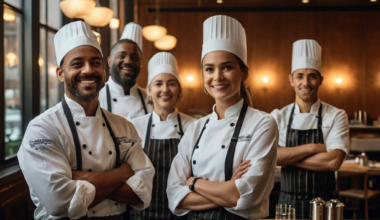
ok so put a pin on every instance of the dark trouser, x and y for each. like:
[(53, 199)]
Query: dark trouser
[(301, 202), (214, 214), (114, 217)]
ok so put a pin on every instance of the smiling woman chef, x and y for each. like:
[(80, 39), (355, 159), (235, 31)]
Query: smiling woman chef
[(225, 163), (161, 130)]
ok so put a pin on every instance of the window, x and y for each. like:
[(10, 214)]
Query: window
[(50, 93), (13, 67)]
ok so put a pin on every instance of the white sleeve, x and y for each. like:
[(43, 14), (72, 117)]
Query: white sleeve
[(337, 139), (48, 173), (180, 171), (142, 181), (255, 185)]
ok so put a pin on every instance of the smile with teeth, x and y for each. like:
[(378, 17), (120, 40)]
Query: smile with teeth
[(87, 81), (219, 86)]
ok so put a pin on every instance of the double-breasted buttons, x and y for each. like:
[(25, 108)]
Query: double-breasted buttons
[(90, 153), (196, 147), (153, 125), (175, 126), (93, 212), (104, 125), (110, 152), (116, 203), (223, 146), (115, 100), (194, 162), (84, 146), (77, 123), (232, 124)]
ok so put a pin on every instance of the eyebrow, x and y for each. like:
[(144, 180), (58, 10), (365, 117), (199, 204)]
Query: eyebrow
[(224, 63), (160, 80)]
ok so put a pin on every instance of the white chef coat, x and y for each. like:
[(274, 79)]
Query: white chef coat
[(47, 157), (257, 142), (162, 129), (334, 124), (128, 106)]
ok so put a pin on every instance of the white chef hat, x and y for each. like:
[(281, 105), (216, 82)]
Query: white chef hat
[(306, 54), (162, 62), (73, 35), (224, 33), (132, 31)]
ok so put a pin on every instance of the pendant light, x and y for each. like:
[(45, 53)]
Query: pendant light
[(77, 8), (154, 32), (167, 42), (100, 16)]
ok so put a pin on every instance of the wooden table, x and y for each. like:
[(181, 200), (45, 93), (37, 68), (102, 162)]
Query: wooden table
[(357, 168)]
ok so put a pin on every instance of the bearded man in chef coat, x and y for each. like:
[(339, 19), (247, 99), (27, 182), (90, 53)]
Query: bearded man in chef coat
[(313, 135), (79, 160), (122, 95)]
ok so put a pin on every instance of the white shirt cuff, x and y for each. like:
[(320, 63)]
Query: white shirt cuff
[(83, 197), (180, 194), (141, 189), (338, 146)]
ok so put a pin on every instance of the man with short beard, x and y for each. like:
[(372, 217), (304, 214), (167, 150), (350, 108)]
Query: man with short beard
[(122, 95), (79, 160), (313, 135)]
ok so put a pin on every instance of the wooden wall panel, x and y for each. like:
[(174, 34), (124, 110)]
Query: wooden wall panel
[(350, 49)]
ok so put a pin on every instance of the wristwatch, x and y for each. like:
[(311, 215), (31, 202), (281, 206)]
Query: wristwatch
[(191, 186)]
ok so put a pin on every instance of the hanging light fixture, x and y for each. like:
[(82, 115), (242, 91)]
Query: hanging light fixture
[(219, 1), (77, 8), (305, 1), (100, 16), (154, 32), (114, 24), (167, 42)]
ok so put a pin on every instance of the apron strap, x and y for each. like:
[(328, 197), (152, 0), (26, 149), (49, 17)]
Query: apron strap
[(180, 132), (142, 101), (289, 126), (147, 136), (115, 142), (228, 165), (74, 132), (109, 106)]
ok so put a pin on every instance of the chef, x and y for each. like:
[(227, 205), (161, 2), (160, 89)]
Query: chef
[(79, 160), (313, 135), (122, 95), (161, 130), (225, 164)]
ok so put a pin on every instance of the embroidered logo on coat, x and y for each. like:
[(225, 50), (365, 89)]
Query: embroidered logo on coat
[(39, 141), (246, 137), (123, 139)]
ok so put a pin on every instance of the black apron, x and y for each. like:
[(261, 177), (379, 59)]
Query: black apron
[(109, 106), (221, 213), (299, 186), (161, 152), (78, 151)]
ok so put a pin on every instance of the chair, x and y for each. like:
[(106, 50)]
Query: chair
[(358, 191)]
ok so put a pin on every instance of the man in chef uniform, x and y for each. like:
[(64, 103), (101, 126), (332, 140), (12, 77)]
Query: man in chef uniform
[(79, 160), (313, 138), (122, 95)]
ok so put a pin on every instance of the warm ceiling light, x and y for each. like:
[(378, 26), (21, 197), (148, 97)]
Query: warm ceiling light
[(305, 1), (114, 24), (40, 61), (11, 59), (373, 0), (339, 80), (265, 79), (100, 16), (9, 15), (167, 42), (154, 32), (219, 1), (77, 8), (190, 78), (97, 36)]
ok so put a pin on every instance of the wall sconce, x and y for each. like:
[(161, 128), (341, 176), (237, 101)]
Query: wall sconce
[(114, 24), (11, 59), (265, 80), (40, 61), (9, 15), (167, 42), (97, 36), (339, 80), (190, 78)]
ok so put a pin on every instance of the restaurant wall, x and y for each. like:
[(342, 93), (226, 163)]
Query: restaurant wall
[(350, 44)]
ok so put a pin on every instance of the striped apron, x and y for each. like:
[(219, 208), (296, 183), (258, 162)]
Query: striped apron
[(161, 152), (114, 217), (220, 212), (299, 186)]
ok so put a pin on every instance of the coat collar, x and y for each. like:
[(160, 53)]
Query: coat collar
[(314, 108), (172, 117), (231, 112), (77, 110), (118, 90)]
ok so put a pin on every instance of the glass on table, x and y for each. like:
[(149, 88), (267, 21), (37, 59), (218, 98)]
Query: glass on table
[(284, 211)]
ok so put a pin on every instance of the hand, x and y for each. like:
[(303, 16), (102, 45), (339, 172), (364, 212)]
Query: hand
[(242, 169), (126, 170), (188, 181), (319, 148)]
